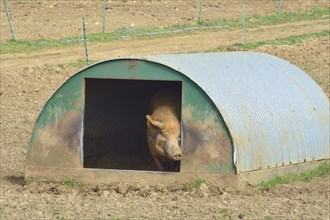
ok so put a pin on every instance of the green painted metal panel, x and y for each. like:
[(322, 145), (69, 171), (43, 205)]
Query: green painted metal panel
[(57, 137)]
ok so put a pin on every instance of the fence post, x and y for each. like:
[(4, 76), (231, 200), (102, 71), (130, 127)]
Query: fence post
[(10, 24), (279, 6), (244, 23), (200, 11), (104, 12), (84, 29)]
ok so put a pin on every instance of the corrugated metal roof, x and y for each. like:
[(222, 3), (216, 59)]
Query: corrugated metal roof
[(276, 113)]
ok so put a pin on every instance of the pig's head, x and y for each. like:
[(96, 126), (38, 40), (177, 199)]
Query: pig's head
[(167, 137)]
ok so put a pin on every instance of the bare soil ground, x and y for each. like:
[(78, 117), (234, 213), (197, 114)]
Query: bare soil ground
[(38, 19), (29, 79)]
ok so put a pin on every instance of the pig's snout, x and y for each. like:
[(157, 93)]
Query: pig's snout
[(174, 153), (177, 156)]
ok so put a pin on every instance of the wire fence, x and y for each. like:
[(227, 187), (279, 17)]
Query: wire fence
[(37, 19)]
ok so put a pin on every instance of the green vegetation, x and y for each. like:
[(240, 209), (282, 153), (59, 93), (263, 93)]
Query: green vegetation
[(68, 181), (58, 215), (193, 184), (81, 63), (286, 41), (29, 180), (285, 17), (18, 46), (320, 171), (295, 39), (12, 46), (226, 214)]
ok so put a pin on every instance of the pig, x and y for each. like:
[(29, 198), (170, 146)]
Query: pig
[(163, 130)]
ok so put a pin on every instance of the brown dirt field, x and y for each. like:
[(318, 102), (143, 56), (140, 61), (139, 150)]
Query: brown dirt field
[(29, 79), (38, 19)]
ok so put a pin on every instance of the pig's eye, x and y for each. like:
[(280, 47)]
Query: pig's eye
[(162, 139)]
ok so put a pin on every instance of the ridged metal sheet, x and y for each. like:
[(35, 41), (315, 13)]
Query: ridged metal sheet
[(276, 114)]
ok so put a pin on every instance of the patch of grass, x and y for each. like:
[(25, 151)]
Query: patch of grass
[(81, 63), (322, 170), (312, 14), (285, 41), (30, 180), (193, 184), (58, 215), (285, 17), (68, 181), (34, 206), (61, 66), (292, 40), (18, 46), (226, 214)]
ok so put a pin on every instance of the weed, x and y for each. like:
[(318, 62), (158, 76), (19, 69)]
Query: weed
[(34, 206), (61, 66), (57, 214), (81, 63), (225, 214), (68, 181), (71, 182), (29, 180), (320, 171), (193, 184)]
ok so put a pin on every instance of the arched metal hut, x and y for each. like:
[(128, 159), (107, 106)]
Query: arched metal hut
[(245, 117)]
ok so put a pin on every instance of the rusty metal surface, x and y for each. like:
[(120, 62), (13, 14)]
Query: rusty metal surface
[(58, 144), (276, 114)]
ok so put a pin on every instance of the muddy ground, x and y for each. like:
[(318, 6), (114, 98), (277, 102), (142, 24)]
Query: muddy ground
[(29, 79)]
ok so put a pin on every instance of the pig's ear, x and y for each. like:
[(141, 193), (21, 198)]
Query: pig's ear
[(153, 122)]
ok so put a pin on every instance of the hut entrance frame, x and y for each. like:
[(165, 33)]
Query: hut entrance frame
[(114, 122)]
